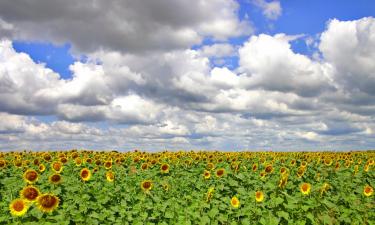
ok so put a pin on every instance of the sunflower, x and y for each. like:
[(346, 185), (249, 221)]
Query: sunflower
[(108, 164), (42, 168), (47, 202), (144, 166), (165, 186), (255, 167), (268, 169), (2, 163), (63, 160), (55, 178), (210, 194), (30, 176), (328, 161), (18, 163), (110, 176), (210, 166), (57, 167), (259, 196), (78, 161), (235, 202), (85, 174), (29, 193), (206, 174), (305, 188), (283, 170), (368, 191), (164, 168), (220, 172), (146, 185), (18, 207)]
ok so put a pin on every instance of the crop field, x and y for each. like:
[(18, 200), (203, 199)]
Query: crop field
[(187, 187)]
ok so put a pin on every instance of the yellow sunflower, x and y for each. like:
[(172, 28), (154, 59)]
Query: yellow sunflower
[(368, 191), (29, 193), (18, 207), (146, 185), (41, 168), (108, 164), (206, 174), (85, 174), (259, 196), (305, 188), (30, 176), (164, 168), (235, 202), (47, 202), (57, 167), (55, 178), (110, 176), (210, 194), (220, 172)]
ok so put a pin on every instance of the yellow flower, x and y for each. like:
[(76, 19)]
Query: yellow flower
[(368, 191), (210, 193), (164, 168), (85, 174), (220, 172), (235, 202), (30, 176), (146, 185), (305, 188), (110, 176), (206, 174), (29, 193), (55, 178), (18, 207), (42, 168), (259, 196), (47, 202), (57, 167)]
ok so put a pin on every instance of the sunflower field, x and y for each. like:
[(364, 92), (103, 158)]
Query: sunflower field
[(187, 187)]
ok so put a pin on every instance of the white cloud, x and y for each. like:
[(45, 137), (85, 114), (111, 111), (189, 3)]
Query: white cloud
[(272, 9)]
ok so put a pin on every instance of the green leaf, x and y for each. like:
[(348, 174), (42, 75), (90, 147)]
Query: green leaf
[(283, 214)]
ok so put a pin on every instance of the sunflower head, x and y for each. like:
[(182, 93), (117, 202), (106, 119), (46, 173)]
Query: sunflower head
[(55, 178), (164, 168), (259, 196), (2, 163), (41, 167), (268, 169), (30, 176), (255, 167), (57, 167), (144, 166), (18, 207), (47, 202), (305, 188), (235, 202), (146, 185), (220, 172), (110, 176), (78, 161), (206, 174), (85, 174), (29, 193), (368, 190), (108, 164)]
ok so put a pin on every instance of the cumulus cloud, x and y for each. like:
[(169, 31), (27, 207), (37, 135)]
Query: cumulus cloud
[(174, 98), (127, 26)]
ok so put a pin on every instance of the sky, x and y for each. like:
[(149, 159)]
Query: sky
[(208, 74)]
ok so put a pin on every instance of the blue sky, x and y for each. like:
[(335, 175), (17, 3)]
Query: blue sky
[(251, 74)]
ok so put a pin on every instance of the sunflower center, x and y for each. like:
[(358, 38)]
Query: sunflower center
[(48, 201), (85, 174), (18, 206), (55, 178), (57, 166), (31, 193), (305, 187), (220, 172), (258, 195), (147, 185), (368, 190), (164, 167), (31, 175)]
